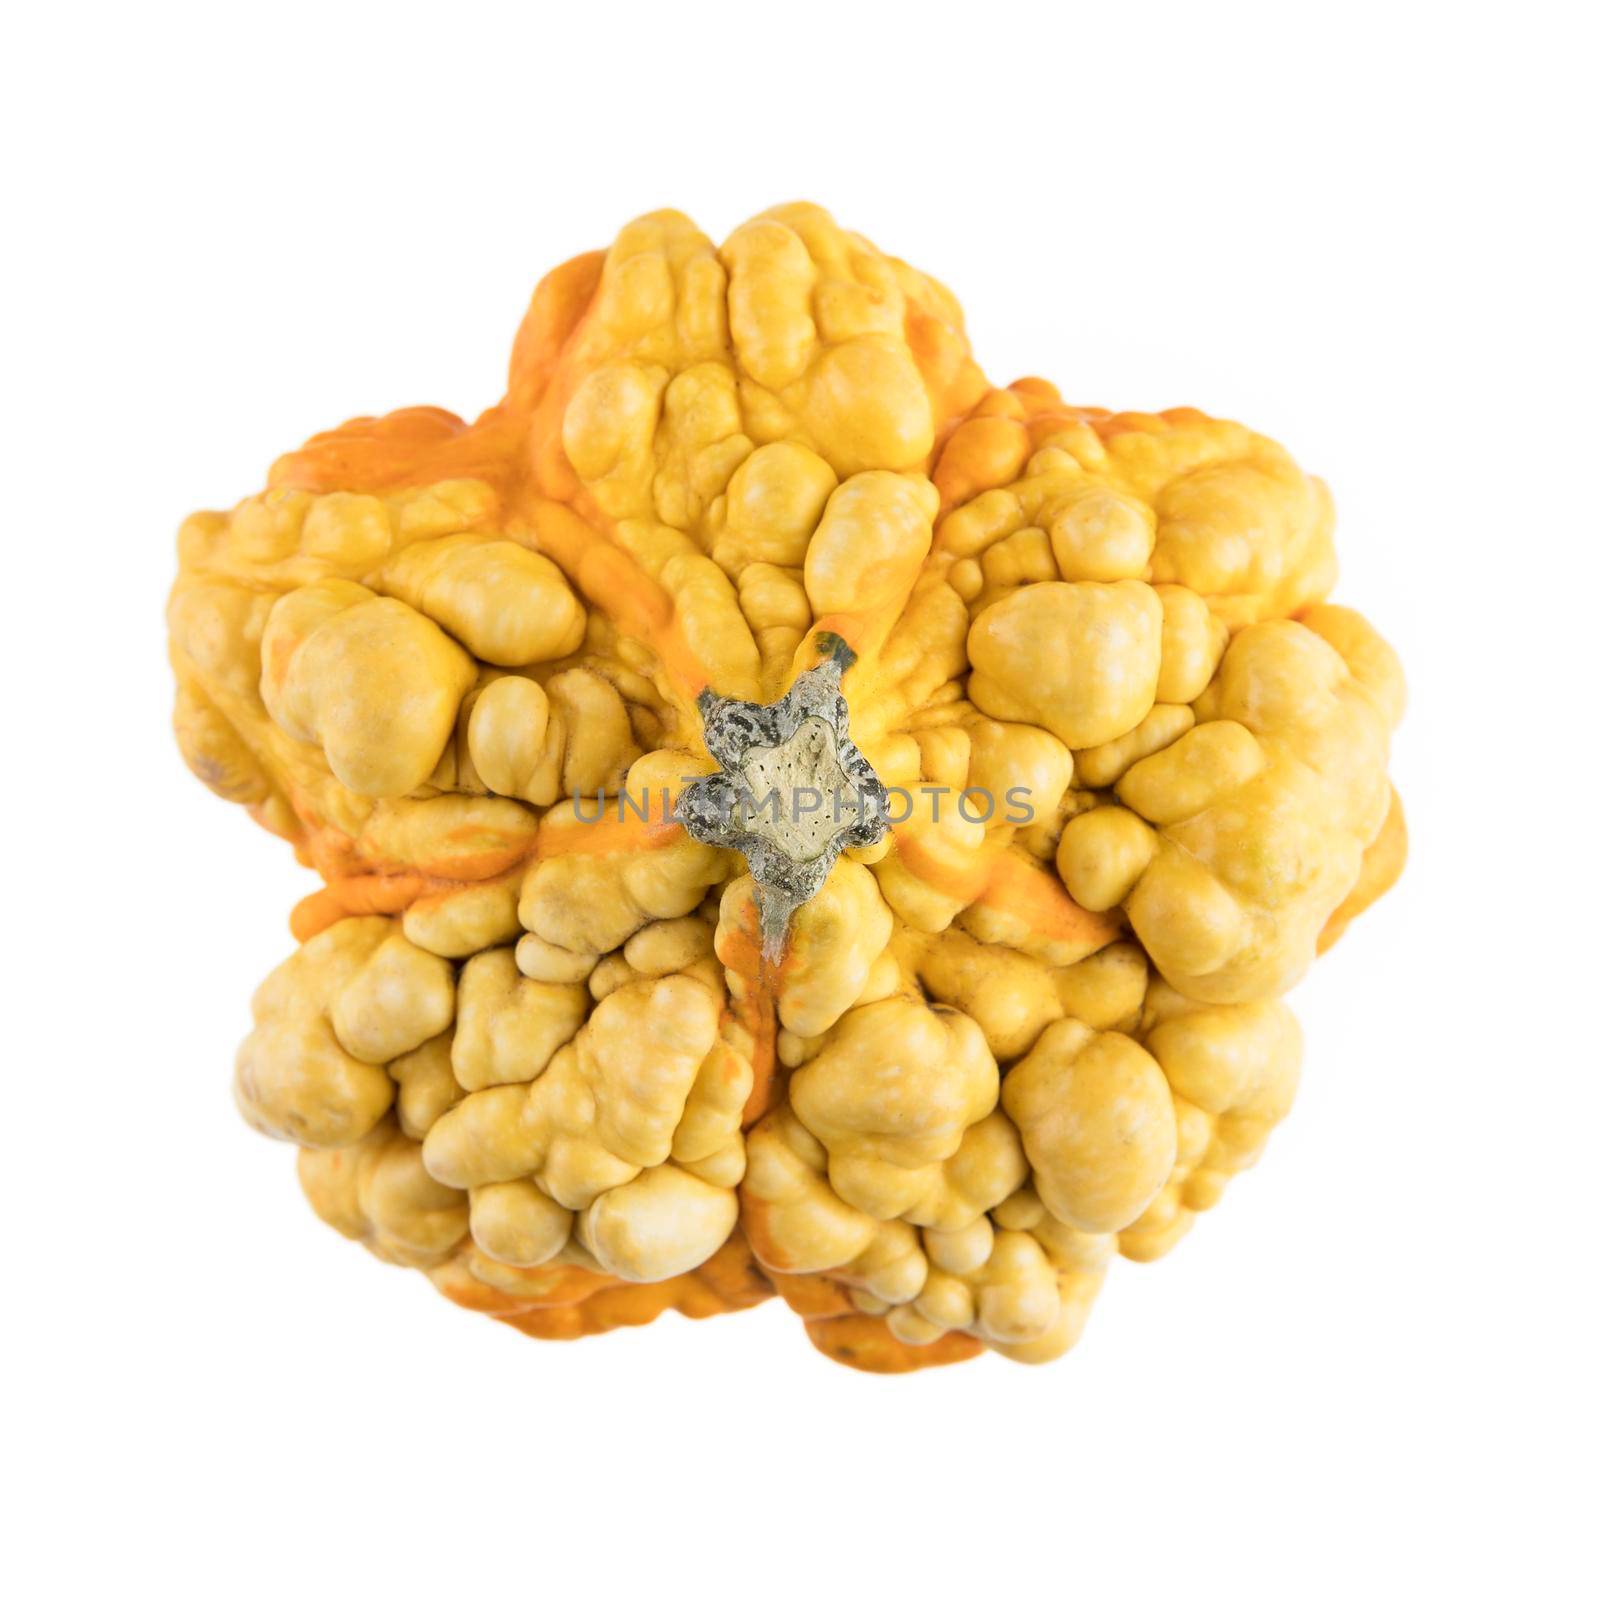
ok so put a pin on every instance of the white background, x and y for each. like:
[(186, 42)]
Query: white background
[(1368, 234)]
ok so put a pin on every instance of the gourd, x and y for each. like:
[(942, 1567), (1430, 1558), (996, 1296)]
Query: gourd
[(750, 516)]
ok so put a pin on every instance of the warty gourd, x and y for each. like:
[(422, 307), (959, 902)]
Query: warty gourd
[(748, 516)]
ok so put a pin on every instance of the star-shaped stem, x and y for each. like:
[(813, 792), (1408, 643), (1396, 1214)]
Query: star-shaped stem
[(793, 790)]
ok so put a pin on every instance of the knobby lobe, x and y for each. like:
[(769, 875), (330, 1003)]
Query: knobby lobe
[(748, 518)]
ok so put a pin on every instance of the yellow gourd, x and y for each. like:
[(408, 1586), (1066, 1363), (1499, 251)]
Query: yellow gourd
[(750, 516)]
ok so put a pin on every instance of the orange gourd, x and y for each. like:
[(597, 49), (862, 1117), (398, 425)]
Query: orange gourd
[(750, 516)]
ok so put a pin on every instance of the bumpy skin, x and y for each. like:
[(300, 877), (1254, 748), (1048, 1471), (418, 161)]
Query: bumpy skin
[(545, 1061)]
